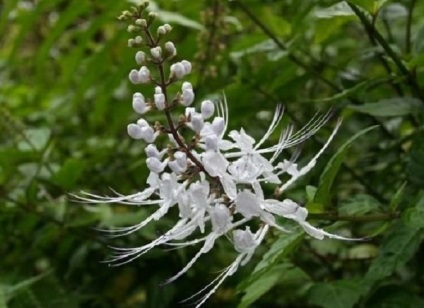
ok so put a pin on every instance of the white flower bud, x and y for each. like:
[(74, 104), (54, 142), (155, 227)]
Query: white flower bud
[(144, 74), (142, 122), (186, 85), (161, 30), (131, 43), (155, 165), (197, 122), (141, 22), (139, 104), (138, 39), (175, 167), (158, 90), (134, 77), (148, 134), (211, 143), (156, 53), (178, 70), (152, 151), (140, 57), (187, 66), (170, 48), (188, 97), (134, 131), (218, 125), (159, 101), (132, 29), (167, 27), (181, 158), (207, 109)]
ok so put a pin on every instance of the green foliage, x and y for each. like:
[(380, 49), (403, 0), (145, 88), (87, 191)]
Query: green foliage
[(65, 104)]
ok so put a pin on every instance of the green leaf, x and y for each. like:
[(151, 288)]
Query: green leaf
[(69, 174), (414, 217), (175, 18), (394, 203), (415, 166), (277, 24), (399, 245), (338, 9), (34, 139), (337, 294), (391, 107), (327, 178), (279, 250)]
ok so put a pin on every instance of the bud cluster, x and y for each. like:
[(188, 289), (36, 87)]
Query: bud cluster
[(214, 179)]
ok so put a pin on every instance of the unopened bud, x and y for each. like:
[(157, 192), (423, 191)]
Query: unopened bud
[(134, 77), (159, 101), (187, 97), (187, 66), (138, 40), (156, 53), (131, 43), (207, 109), (161, 31), (186, 85), (141, 22), (134, 131), (155, 165), (144, 74), (139, 105), (152, 151), (140, 57), (167, 27), (218, 125), (197, 122), (170, 48), (132, 29), (178, 70)]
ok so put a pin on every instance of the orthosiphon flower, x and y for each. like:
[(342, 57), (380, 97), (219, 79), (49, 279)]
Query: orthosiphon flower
[(215, 180)]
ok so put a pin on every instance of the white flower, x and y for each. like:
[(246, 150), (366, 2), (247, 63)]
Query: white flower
[(178, 70), (144, 74)]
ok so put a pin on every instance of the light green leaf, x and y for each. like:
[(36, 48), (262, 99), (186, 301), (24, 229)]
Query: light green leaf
[(327, 178), (337, 294), (277, 24), (69, 174), (391, 107), (174, 18), (338, 9)]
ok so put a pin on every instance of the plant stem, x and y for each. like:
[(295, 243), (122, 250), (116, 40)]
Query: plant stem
[(408, 26), (389, 51), (361, 218)]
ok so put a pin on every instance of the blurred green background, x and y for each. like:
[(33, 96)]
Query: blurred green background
[(65, 101)]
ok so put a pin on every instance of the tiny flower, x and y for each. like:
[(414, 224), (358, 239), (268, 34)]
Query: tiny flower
[(155, 165), (132, 29), (140, 57), (207, 108), (186, 85), (144, 74), (187, 97), (131, 43), (142, 122), (197, 122)]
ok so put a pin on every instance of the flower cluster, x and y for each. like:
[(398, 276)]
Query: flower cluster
[(214, 179)]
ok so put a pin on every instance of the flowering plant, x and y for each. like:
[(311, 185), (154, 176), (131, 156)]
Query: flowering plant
[(214, 178)]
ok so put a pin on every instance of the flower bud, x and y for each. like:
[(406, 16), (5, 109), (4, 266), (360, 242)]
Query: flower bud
[(156, 53), (218, 126), (161, 31), (138, 40), (151, 17), (187, 97), (187, 66), (186, 85), (159, 101), (132, 29), (152, 151), (197, 122), (155, 165), (170, 48), (141, 23), (178, 70), (148, 134), (140, 57), (139, 104), (134, 131), (142, 122), (181, 158), (134, 77), (131, 43), (144, 74), (175, 167), (211, 143), (207, 109), (167, 27)]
